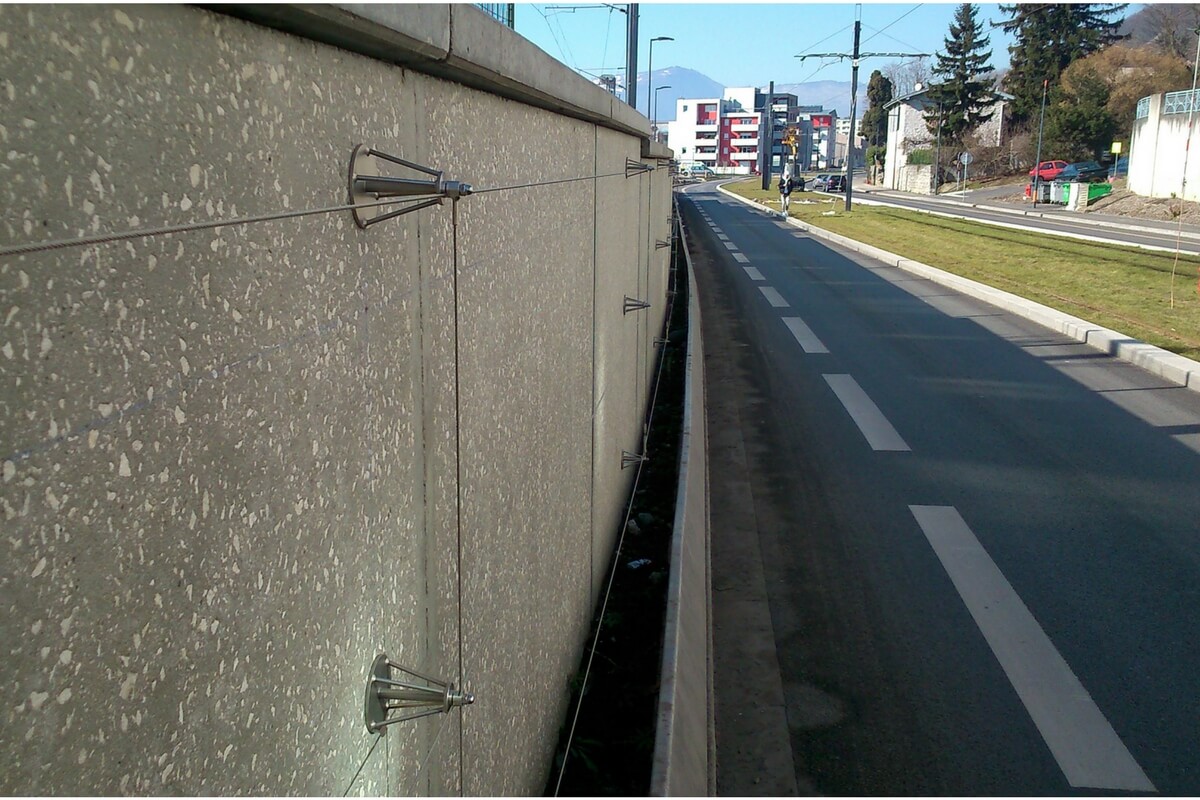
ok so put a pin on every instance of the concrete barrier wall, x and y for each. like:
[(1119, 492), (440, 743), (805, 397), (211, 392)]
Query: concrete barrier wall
[(684, 763), (240, 462)]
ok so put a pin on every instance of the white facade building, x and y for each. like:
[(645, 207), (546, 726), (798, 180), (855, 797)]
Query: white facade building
[(907, 131)]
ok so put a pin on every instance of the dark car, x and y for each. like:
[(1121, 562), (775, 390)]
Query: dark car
[(1119, 168), (836, 183), (1082, 172)]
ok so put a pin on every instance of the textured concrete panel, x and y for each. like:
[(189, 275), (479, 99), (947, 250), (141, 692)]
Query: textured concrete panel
[(616, 423), (239, 462), (212, 522)]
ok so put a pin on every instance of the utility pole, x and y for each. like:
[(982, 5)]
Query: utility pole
[(1037, 165), (631, 42), (855, 57), (767, 137), (853, 103), (937, 157)]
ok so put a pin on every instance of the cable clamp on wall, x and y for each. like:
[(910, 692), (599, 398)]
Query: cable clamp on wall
[(633, 167), (367, 185), (398, 694), (659, 244), (633, 304), (629, 459)]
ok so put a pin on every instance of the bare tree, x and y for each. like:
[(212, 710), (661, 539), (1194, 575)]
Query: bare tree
[(905, 75)]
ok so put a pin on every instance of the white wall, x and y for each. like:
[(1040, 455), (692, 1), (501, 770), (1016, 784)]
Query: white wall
[(1156, 155)]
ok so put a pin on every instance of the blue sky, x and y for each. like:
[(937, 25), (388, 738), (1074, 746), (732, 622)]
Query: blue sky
[(741, 44)]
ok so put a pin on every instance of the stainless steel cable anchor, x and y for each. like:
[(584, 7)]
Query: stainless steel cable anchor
[(367, 185), (387, 693)]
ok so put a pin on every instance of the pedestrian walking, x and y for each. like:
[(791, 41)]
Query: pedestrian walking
[(785, 191)]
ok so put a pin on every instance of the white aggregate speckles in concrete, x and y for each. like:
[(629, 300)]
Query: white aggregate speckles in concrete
[(229, 474)]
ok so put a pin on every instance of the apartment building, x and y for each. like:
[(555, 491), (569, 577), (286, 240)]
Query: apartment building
[(723, 133)]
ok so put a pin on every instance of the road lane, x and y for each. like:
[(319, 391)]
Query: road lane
[(1088, 510)]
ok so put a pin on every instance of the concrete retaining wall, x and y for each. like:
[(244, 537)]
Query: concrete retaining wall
[(240, 462), (1156, 154)]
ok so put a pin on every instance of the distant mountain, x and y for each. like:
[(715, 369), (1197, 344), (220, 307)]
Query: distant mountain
[(1169, 26), (683, 82)]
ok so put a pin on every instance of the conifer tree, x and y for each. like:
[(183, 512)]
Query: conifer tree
[(963, 96), (1049, 36)]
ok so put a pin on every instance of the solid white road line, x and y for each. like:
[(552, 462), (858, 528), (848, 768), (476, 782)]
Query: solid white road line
[(741, 258), (804, 335), (1083, 743), (773, 297), (754, 274), (731, 245), (866, 415)]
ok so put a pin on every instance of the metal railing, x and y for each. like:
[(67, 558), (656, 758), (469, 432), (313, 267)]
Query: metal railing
[(1143, 108), (1181, 102), (504, 13)]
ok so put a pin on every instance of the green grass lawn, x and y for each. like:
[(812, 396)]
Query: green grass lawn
[(1122, 288)]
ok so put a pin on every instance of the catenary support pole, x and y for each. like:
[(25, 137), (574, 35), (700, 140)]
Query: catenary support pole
[(853, 103), (631, 43)]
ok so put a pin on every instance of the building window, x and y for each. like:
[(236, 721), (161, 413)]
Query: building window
[(683, 149), (685, 106)]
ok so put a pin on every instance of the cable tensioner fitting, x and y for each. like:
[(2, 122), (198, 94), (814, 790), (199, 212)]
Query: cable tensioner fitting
[(367, 185)]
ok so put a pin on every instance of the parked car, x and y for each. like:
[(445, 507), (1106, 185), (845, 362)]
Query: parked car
[(820, 182), (1048, 170), (836, 183), (1119, 168), (1082, 172), (700, 171)]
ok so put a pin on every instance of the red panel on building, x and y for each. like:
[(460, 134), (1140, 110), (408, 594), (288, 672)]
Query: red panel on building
[(723, 159), (822, 120)]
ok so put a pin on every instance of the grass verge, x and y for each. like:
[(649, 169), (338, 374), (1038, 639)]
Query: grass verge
[(1122, 288)]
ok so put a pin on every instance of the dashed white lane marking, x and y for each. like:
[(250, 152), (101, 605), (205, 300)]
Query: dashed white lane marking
[(870, 420), (731, 245), (741, 258), (715, 229), (754, 274), (804, 335), (1087, 749), (722, 237), (773, 297)]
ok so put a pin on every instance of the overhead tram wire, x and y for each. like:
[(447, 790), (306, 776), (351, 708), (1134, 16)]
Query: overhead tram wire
[(893, 22)]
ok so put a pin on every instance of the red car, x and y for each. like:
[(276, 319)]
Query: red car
[(1048, 170)]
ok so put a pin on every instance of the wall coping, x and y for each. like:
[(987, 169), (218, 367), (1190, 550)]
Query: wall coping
[(458, 42)]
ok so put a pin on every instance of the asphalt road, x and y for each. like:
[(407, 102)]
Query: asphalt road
[(953, 552), (1050, 219)]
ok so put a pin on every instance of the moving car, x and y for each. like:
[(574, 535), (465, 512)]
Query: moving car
[(1048, 170), (1082, 172), (701, 171), (836, 183), (820, 182)]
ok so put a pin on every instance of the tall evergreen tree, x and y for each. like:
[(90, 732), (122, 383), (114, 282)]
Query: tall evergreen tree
[(874, 121), (961, 99), (1049, 36)]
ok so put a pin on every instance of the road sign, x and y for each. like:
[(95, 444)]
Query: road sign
[(965, 158)]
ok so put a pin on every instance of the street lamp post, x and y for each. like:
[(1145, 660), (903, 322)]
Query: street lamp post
[(650, 75), (1037, 164), (653, 126)]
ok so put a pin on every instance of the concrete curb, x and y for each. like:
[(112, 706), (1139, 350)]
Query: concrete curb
[(1167, 365), (1083, 219), (684, 748)]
